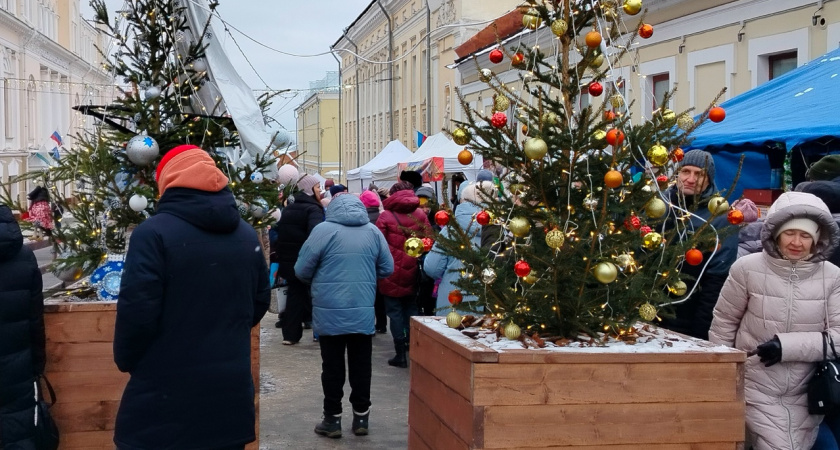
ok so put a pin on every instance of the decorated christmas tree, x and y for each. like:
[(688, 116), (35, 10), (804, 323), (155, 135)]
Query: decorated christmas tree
[(166, 97), (589, 243)]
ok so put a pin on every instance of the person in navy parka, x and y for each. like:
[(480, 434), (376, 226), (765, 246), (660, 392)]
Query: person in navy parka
[(342, 260), (194, 284)]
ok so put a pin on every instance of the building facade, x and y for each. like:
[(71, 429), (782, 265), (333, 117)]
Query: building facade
[(394, 60), (318, 134), (49, 64)]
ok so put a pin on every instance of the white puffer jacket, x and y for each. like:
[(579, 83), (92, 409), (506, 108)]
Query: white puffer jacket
[(767, 295)]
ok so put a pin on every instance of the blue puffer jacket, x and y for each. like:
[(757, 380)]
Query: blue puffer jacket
[(441, 265), (342, 259)]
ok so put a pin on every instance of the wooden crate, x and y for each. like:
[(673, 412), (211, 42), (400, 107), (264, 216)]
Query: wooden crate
[(88, 385), (465, 395)]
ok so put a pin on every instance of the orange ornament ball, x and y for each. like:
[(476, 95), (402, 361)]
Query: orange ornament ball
[(717, 114), (609, 116), (615, 137), (517, 59), (613, 179), (524, 129), (677, 155), (593, 39), (694, 257), (455, 297), (735, 217), (465, 157), (646, 31)]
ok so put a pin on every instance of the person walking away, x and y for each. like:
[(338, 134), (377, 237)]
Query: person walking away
[(40, 212), (22, 337), (194, 284), (776, 304), (342, 259), (373, 207), (401, 220), (297, 221)]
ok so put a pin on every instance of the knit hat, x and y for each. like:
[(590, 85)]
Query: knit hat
[(799, 223), (484, 175), (747, 208), (329, 183), (336, 188), (827, 191), (369, 199), (401, 186), (287, 174), (425, 191), (306, 183), (701, 159), (412, 177), (827, 168), (189, 166)]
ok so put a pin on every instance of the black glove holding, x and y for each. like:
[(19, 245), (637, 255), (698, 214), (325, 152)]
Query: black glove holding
[(770, 352)]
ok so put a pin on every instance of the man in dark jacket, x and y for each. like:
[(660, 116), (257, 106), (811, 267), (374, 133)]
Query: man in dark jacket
[(296, 222), (194, 284), (22, 341)]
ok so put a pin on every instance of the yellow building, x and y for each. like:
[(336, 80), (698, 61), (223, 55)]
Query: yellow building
[(49, 64), (318, 134), (394, 70)]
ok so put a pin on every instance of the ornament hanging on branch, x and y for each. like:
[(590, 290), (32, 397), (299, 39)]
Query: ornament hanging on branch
[(678, 288), (519, 226), (531, 19), (535, 148), (413, 247), (647, 312), (138, 202), (461, 136), (488, 276), (483, 218), (501, 103), (694, 257), (605, 272), (512, 331), (442, 218), (646, 31), (658, 155), (593, 39), (596, 89), (142, 150), (496, 56), (652, 240), (554, 239), (465, 157), (632, 7), (559, 27), (521, 268), (717, 114), (498, 120)]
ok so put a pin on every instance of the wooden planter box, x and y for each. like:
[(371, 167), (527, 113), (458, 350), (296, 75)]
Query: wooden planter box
[(88, 385), (465, 395)]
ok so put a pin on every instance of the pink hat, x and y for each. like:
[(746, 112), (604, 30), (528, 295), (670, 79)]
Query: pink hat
[(369, 198), (748, 208)]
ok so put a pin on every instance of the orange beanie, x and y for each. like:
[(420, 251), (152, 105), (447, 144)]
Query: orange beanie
[(190, 167)]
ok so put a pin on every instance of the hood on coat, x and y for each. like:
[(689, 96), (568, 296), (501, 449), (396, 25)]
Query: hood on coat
[(479, 193), (801, 205), (402, 202), (11, 239), (212, 211), (347, 210)]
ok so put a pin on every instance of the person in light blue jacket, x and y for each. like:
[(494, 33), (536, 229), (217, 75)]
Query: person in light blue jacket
[(342, 259), (440, 265)]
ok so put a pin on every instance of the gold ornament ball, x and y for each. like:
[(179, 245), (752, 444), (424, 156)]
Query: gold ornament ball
[(413, 247), (632, 7), (519, 226), (559, 27), (535, 148), (532, 19), (617, 101), (669, 116), (647, 312), (453, 319), (599, 139), (685, 122), (655, 208), (485, 75), (555, 239), (597, 61), (605, 272), (517, 189), (465, 157), (512, 331), (461, 136), (678, 288), (652, 240), (624, 260), (549, 118), (530, 278), (658, 155), (718, 205), (501, 103)]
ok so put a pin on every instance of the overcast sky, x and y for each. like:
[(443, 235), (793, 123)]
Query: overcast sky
[(297, 27)]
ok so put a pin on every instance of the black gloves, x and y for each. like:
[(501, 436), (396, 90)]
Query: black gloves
[(770, 352)]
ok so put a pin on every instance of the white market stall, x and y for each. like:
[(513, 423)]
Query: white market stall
[(435, 146), (359, 178)]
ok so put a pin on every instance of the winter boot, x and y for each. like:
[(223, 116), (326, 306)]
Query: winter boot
[(329, 427), (399, 359), (360, 422)]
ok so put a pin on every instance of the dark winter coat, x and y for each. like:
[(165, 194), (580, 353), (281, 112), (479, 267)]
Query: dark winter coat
[(373, 213), (398, 222), (296, 222), (22, 341), (342, 260), (194, 284)]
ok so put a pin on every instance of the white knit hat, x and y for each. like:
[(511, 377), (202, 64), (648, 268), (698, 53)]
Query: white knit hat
[(800, 223)]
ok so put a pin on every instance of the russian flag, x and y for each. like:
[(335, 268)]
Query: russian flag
[(56, 137), (421, 138)]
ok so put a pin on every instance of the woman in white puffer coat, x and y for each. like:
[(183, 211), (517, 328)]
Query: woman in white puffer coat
[(777, 303)]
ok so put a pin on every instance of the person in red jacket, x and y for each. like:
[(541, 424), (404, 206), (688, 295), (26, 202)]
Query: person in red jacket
[(401, 220)]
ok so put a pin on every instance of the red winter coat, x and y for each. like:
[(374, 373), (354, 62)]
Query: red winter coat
[(400, 218)]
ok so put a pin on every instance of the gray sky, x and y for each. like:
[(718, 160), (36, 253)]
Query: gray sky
[(297, 27)]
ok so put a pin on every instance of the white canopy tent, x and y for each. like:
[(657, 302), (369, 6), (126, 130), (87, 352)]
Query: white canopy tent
[(393, 153), (437, 145)]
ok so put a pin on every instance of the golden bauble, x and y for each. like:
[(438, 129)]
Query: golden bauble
[(555, 239), (613, 179), (519, 226), (453, 319), (624, 260), (559, 27), (512, 331), (501, 103), (461, 136), (685, 121), (658, 155), (597, 61), (530, 278), (517, 188), (655, 208), (532, 19), (652, 240), (605, 272), (669, 116), (535, 148), (549, 118), (718, 205), (413, 247), (647, 312), (485, 75), (599, 139), (632, 7), (678, 288), (465, 157), (617, 101)]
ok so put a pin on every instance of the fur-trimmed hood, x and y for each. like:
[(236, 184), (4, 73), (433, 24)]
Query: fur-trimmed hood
[(792, 205)]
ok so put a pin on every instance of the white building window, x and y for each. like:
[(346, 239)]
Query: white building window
[(762, 50), (780, 64), (662, 70)]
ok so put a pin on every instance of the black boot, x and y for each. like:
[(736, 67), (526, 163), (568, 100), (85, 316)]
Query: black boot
[(360, 422), (329, 427), (399, 359)]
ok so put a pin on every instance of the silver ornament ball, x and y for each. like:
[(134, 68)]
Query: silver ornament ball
[(138, 202)]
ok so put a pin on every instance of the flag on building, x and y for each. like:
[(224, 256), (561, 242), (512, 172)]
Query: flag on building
[(58, 142), (421, 138)]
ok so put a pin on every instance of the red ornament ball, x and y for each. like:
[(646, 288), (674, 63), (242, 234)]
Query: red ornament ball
[(442, 218), (455, 297), (496, 56), (499, 119), (427, 244), (482, 217), (615, 137), (735, 217), (609, 116), (596, 89), (645, 230), (521, 268), (633, 223), (517, 59), (646, 31), (717, 114), (694, 257)]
